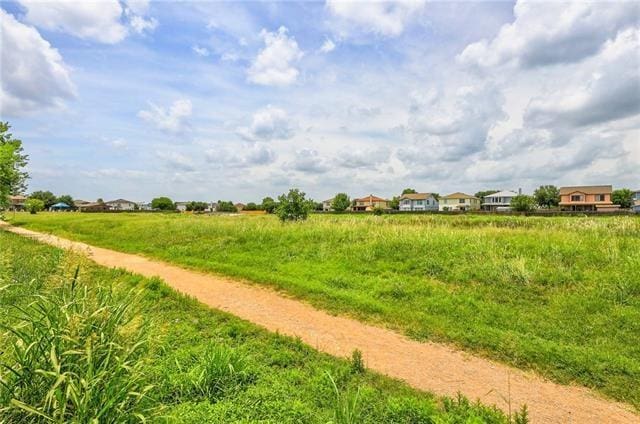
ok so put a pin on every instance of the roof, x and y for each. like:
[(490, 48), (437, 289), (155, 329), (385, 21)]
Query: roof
[(119, 201), (60, 205), (17, 197), (505, 193), (599, 189), (416, 196), (78, 202), (458, 195), (371, 198)]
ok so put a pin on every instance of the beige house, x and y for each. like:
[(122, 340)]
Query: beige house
[(459, 202), (587, 198), (370, 202), (16, 203)]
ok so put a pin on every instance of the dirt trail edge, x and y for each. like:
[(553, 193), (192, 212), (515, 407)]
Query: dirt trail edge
[(427, 366)]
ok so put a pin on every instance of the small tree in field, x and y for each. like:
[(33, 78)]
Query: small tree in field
[(523, 203), (340, 202), (547, 196), (34, 205), (269, 205), (163, 204), (293, 206)]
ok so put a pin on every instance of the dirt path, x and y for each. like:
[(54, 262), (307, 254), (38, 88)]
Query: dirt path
[(426, 366)]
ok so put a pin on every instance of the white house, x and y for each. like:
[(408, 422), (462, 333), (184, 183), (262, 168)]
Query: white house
[(182, 206), (498, 202), (418, 202), (636, 201), (142, 206), (326, 205), (121, 205)]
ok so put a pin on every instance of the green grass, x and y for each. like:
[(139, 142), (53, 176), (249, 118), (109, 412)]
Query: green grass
[(560, 295), (81, 343)]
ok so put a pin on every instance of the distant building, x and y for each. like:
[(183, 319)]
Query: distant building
[(587, 198), (121, 205), (182, 206), (240, 206), (636, 201), (16, 203), (326, 205), (459, 202), (370, 202), (144, 206), (497, 202), (92, 207), (418, 202)]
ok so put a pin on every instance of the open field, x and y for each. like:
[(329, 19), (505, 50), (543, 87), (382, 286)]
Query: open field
[(559, 295), (190, 363)]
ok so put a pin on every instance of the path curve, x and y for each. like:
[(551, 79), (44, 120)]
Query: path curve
[(427, 366)]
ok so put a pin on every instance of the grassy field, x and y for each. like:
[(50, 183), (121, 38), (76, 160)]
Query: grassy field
[(559, 295), (79, 342)]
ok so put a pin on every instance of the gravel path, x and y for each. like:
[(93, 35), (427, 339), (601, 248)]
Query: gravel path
[(432, 367)]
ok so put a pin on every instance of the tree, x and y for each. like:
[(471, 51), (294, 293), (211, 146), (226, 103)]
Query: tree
[(227, 206), (408, 191), (481, 194), (13, 179), (269, 205), (163, 204), (293, 206), (34, 205), (66, 199), (251, 207), (547, 196), (394, 203), (436, 196), (622, 197), (522, 203), (197, 206), (47, 197), (340, 202)]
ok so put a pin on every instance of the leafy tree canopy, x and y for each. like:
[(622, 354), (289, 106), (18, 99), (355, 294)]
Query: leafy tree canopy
[(340, 202), (547, 196), (481, 194), (622, 197), (47, 197), (523, 203), (251, 206), (394, 203), (163, 204), (227, 206), (293, 206), (34, 205), (408, 191), (13, 178), (66, 199), (269, 205), (197, 206)]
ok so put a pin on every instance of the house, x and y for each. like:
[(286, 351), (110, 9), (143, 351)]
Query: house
[(213, 206), (77, 203), (636, 201), (92, 207), (326, 205), (16, 203), (240, 206), (587, 198), (182, 206), (418, 202), (459, 202), (499, 202), (370, 202), (121, 205), (142, 206)]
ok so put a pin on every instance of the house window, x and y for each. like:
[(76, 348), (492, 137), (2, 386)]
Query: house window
[(419, 202), (576, 198), (599, 197), (461, 201)]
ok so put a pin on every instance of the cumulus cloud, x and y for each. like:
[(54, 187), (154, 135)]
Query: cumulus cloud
[(610, 90), (270, 123), (309, 161), (176, 161), (254, 154), (546, 33), (201, 51), (34, 75), (454, 126), (363, 158), (327, 46), (274, 65), (385, 18), (100, 21), (173, 119)]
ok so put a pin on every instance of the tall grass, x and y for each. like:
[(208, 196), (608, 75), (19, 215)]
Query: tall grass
[(74, 356)]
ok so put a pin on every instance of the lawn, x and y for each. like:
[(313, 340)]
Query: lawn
[(80, 341), (560, 295)]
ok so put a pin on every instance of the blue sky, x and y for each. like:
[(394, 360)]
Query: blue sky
[(215, 100)]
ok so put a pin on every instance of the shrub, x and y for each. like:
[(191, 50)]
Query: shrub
[(293, 206), (227, 206), (523, 203), (357, 364), (34, 205), (163, 204), (347, 407), (73, 356), (378, 211)]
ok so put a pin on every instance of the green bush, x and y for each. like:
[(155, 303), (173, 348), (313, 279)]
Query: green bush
[(34, 205), (293, 206)]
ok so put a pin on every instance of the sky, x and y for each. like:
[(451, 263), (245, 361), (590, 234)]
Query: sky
[(241, 100)]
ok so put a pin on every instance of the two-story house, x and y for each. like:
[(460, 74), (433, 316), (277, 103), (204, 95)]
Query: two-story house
[(587, 198), (418, 202), (326, 205), (636, 201), (370, 202), (17, 203), (497, 202), (121, 205), (459, 202)]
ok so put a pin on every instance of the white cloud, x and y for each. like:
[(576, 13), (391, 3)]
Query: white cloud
[(269, 123), (34, 75), (176, 161), (274, 65), (545, 33), (327, 46), (254, 154), (103, 21), (309, 161), (201, 51), (172, 119), (386, 18)]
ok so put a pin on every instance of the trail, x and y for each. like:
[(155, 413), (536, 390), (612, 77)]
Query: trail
[(427, 366)]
